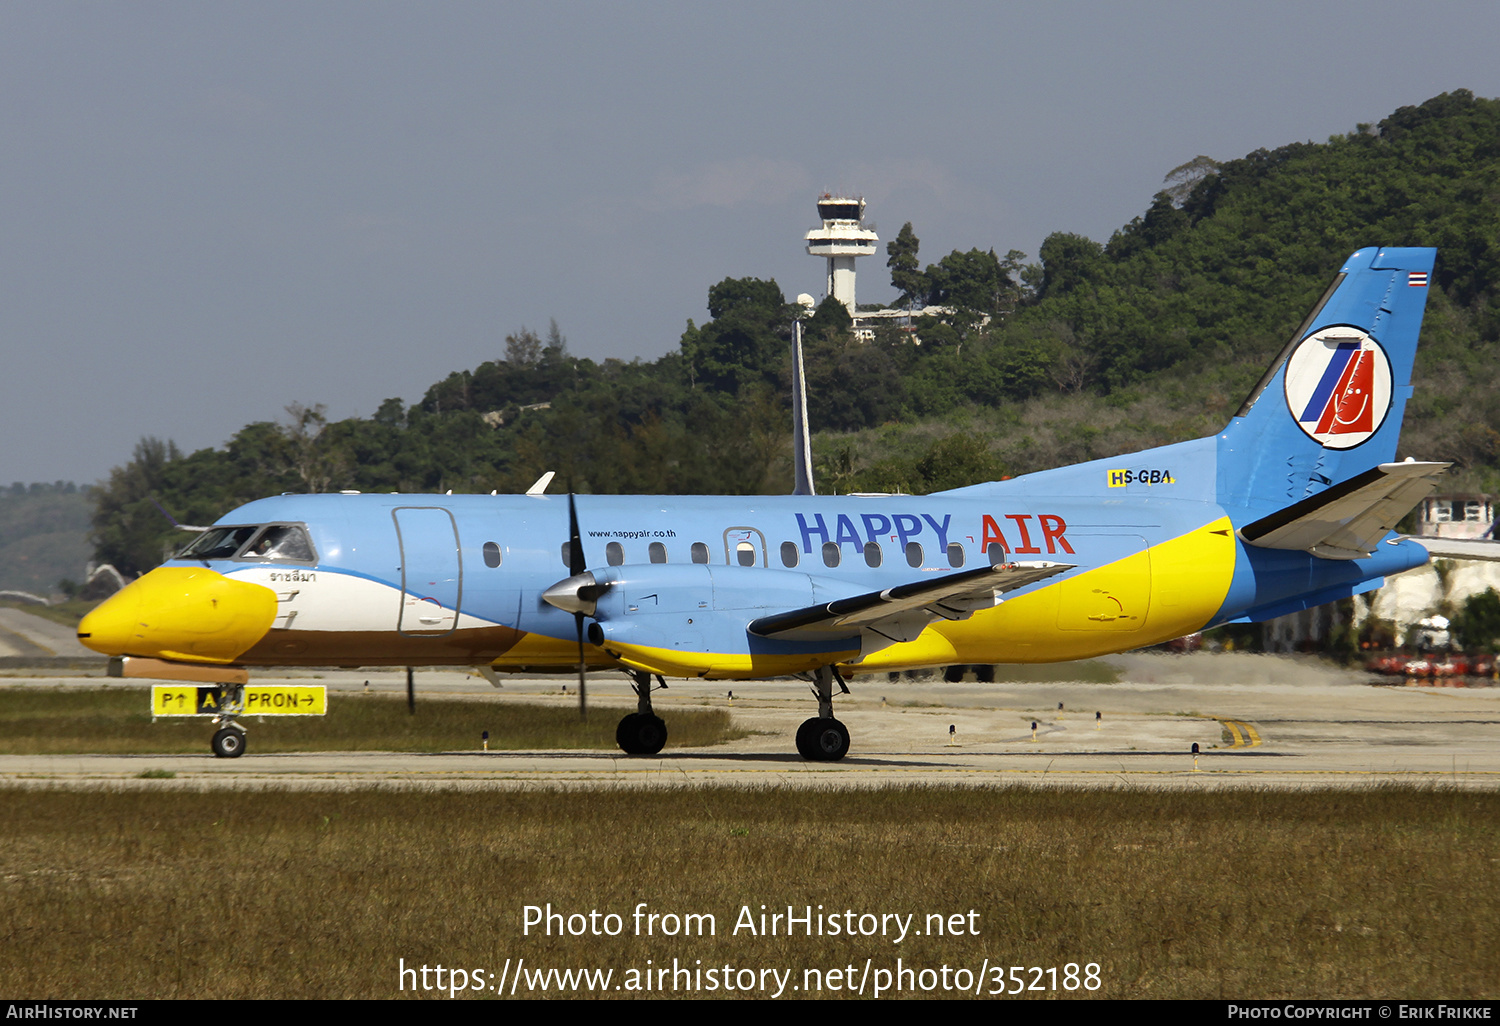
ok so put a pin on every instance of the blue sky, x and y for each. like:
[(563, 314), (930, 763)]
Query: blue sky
[(211, 210)]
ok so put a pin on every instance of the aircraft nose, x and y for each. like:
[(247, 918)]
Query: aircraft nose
[(186, 613)]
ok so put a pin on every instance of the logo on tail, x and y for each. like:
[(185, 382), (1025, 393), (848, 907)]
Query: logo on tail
[(1338, 386)]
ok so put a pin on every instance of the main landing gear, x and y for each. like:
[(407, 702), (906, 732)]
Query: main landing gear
[(642, 732), (823, 738)]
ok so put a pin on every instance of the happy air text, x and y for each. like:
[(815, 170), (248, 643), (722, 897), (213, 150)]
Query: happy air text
[(1029, 532)]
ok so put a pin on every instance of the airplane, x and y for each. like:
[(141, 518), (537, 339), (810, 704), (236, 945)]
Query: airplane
[(1292, 505)]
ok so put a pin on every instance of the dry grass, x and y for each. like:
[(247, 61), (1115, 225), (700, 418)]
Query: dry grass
[(117, 720), (1384, 893)]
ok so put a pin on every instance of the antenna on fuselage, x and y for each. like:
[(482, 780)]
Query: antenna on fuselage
[(801, 437)]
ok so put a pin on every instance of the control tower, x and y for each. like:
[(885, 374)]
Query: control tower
[(842, 237)]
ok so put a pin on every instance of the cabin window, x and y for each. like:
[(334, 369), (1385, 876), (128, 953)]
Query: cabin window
[(955, 555), (567, 555), (790, 554), (831, 554), (913, 553), (700, 552), (658, 552), (872, 554), (614, 552), (491, 554), (996, 552), (744, 554)]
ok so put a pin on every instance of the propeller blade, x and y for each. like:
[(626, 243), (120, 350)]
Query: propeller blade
[(583, 683), (577, 565)]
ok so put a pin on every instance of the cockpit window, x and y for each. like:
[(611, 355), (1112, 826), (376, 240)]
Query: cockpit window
[(268, 543), (217, 543), (278, 543)]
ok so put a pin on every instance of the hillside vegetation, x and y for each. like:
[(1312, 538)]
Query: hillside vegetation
[(1092, 350), (43, 536)]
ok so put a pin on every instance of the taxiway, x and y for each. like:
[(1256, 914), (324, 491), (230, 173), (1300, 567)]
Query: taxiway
[(1259, 721)]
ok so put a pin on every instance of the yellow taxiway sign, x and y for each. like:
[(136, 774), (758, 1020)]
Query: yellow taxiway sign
[(257, 700)]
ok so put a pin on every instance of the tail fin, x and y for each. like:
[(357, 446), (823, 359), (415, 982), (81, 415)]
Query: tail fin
[(1330, 407)]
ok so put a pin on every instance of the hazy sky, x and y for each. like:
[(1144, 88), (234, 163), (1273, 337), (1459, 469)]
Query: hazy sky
[(211, 210)]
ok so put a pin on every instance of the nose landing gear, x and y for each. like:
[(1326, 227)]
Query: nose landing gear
[(229, 742)]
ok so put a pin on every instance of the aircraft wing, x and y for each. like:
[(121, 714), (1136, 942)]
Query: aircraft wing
[(1460, 548), (1348, 520), (903, 612)]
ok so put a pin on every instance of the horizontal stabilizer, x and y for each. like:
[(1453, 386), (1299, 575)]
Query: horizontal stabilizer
[(902, 612), (1349, 519), (1461, 548)]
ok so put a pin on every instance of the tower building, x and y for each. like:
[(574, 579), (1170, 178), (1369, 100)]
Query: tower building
[(843, 237)]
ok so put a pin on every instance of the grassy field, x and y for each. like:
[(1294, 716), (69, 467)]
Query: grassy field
[(117, 720), (1385, 893)]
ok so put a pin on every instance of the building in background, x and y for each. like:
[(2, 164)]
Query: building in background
[(842, 238), (1457, 516)]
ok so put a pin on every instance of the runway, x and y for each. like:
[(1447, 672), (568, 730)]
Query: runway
[(1259, 721), (24, 636)]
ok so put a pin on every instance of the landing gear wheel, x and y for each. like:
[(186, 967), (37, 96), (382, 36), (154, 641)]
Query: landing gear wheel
[(641, 734), (228, 743), (822, 740), (953, 674)]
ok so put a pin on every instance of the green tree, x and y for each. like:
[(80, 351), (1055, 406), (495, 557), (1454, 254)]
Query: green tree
[(129, 530), (972, 281), (742, 294), (557, 343), (1182, 179), (955, 462), (745, 342), (1477, 624), (318, 463), (850, 384), (905, 277), (830, 320), (1068, 261), (523, 349)]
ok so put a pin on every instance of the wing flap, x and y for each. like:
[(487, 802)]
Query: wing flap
[(902, 612), (1348, 520)]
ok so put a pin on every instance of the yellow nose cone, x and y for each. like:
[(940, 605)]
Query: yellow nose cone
[(177, 612)]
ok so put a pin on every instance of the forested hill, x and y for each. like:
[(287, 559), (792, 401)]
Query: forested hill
[(43, 531), (1092, 350)]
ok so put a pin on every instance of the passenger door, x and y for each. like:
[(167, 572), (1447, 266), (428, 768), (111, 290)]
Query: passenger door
[(431, 570)]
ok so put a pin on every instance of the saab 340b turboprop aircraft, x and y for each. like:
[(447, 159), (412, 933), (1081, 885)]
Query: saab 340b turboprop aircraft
[(1292, 505)]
